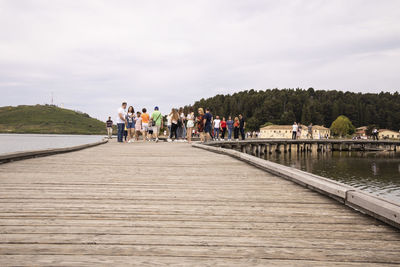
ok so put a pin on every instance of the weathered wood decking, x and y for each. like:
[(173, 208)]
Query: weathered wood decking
[(154, 204)]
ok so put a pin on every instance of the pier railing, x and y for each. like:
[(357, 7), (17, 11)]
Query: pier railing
[(264, 146)]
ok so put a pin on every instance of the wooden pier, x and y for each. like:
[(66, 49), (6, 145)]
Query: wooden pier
[(149, 204)]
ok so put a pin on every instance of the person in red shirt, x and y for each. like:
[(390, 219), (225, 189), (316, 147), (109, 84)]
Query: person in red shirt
[(223, 128)]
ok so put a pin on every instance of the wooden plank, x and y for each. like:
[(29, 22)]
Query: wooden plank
[(344, 254), (123, 261), (199, 240), (275, 232), (374, 226)]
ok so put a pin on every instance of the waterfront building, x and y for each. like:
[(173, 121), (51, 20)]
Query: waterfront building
[(388, 134), (285, 132), (362, 132)]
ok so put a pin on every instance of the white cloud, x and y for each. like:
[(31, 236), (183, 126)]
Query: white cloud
[(93, 54)]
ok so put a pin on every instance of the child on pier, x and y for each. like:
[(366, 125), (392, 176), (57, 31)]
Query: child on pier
[(138, 125)]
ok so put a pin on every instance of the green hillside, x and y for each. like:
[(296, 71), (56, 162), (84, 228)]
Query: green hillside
[(47, 119)]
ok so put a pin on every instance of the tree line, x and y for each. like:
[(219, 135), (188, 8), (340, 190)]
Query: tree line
[(320, 107)]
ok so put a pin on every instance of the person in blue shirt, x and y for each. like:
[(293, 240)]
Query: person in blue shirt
[(208, 124), (229, 125)]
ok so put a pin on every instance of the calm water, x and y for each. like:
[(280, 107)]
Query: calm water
[(374, 172), (25, 142)]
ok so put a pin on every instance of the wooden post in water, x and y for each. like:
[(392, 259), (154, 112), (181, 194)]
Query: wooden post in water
[(262, 149), (248, 149), (279, 148), (254, 150)]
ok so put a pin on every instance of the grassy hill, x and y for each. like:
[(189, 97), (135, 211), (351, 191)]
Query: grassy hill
[(47, 119)]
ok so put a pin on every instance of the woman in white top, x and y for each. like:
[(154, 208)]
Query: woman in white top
[(169, 122), (189, 126), (217, 126)]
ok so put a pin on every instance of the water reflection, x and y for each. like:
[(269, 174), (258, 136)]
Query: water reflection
[(375, 172), (374, 168)]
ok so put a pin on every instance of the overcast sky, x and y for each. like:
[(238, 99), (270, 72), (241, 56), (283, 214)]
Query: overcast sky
[(95, 54)]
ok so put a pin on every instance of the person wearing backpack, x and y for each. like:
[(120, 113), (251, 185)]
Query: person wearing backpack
[(156, 122)]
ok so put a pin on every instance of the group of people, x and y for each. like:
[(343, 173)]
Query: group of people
[(297, 129), (182, 127), (215, 128), (131, 124)]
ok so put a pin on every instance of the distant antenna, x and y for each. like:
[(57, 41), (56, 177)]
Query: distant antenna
[(52, 102)]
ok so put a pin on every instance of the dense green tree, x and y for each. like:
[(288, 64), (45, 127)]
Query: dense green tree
[(305, 106), (342, 126)]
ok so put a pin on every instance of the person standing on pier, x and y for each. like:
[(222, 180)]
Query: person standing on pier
[(109, 124), (236, 126), (138, 125), (181, 124), (121, 122), (375, 135), (157, 122), (130, 125), (217, 126), (200, 123), (299, 129), (242, 126), (174, 124), (229, 125), (169, 123), (294, 130), (309, 134), (223, 128), (208, 124), (189, 125), (145, 124)]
